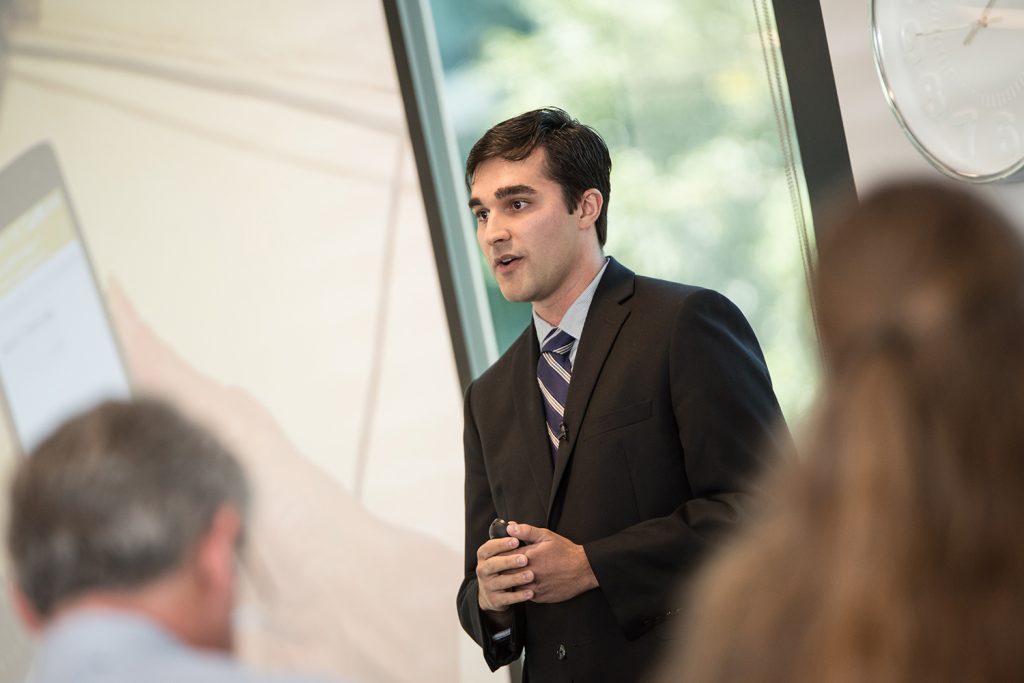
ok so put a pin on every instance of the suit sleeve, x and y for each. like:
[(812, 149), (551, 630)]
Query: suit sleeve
[(729, 421), (480, 511)]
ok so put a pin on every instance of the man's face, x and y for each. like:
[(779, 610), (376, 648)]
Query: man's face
[(532, 243)]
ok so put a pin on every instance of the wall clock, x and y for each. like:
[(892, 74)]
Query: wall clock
[(953, 74)]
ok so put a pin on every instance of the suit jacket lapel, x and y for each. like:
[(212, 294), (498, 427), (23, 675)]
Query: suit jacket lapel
[(530, 412), (604, 320)]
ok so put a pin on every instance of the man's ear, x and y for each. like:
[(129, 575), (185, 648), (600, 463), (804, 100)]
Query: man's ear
[(589, 208), (216, 552), (27, 612)]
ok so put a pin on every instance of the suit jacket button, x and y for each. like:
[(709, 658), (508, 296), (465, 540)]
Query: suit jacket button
[(560, 652)]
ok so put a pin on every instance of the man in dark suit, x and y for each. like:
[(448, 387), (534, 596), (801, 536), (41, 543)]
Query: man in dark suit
[(618, 432)]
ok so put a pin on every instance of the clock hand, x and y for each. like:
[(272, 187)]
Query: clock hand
[(984, 13), (958, 27), (981, 23), (947, 29)]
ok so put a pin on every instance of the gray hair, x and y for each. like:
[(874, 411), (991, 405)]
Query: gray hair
[(115, 498)]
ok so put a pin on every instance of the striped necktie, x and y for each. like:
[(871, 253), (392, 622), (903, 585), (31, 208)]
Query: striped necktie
[(553, 374)]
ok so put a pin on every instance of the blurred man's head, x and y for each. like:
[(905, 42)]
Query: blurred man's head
[(130, 506)]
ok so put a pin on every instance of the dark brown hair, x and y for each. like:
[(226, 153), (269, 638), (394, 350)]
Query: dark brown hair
[(890, 552), (576, 156)]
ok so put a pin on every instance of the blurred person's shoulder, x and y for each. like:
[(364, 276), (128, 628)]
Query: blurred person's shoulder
[(106, 646)]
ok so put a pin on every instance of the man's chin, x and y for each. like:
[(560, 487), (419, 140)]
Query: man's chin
[(513, 295), (516, 287)]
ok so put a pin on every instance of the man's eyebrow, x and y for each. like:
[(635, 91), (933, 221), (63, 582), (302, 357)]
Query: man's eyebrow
[(503, 192), (510, 190)]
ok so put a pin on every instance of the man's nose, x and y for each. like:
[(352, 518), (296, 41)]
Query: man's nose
[(495, 231)]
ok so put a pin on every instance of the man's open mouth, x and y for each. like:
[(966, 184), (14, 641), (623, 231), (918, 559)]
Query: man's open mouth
[(505, 261)]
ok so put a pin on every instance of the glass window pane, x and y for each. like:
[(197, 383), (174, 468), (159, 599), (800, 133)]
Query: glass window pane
[(692, 101)]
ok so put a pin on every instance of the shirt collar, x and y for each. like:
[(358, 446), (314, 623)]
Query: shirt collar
[(576, 315)]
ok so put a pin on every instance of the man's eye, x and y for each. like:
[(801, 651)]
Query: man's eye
[(481, 216), (517, 204)]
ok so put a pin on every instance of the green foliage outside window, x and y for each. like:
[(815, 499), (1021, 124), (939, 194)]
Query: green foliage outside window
[(681, 94)]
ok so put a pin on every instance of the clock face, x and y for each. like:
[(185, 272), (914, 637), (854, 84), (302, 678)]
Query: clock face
[(953, 72)]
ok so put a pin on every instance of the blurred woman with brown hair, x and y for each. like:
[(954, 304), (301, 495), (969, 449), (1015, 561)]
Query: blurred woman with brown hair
[(890, 551)]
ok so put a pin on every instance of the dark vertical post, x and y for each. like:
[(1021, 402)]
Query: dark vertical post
[(815, 103)]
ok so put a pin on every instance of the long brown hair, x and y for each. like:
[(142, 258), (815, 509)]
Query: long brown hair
[(891, 551)]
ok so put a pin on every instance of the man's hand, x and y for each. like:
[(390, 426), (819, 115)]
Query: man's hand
[(560, 568), (501, 576)]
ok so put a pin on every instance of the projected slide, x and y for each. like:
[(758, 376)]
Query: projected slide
[(244, 186)]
